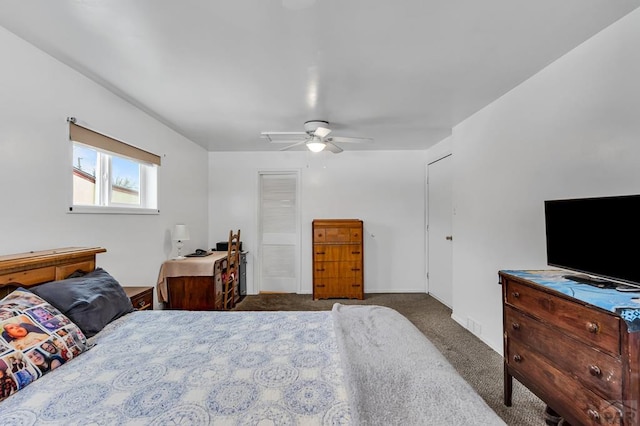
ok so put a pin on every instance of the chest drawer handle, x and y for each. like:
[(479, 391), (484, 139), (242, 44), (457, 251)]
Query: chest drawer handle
[(320, 269), (595, 370), (592, 327), (320, 285), (515, 326), (355, 269), (517, 358), (515, 294), (355, 252), (593, 414), (319, 252)]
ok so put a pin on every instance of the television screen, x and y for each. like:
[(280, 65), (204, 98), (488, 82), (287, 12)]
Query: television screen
[(595, 236)]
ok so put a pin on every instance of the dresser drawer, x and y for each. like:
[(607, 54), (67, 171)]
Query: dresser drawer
[(332, 235), (337, 287), (593, 368), (341, 252), (562, 390), (586, 324), (141, 297), (337, 269)]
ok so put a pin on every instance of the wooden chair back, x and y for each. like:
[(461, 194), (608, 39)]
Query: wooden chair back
[(232, 273)]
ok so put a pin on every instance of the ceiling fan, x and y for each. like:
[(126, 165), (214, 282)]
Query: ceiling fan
[(315, 137)]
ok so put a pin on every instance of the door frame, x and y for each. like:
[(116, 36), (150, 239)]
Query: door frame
[(257, 273), (435, 159)]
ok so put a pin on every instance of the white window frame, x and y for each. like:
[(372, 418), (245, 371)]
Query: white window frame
[(148, 191)]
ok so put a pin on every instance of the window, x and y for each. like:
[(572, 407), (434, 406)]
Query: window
[(109, 176)]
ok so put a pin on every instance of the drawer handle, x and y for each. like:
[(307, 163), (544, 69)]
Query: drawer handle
[(515, 326), (355, 285), (355, 269), (320, 269), (355, 252), (319, 252), (319, 285), (515, 294), (592, 327), (595, 370), (517, 358), (593, 414)]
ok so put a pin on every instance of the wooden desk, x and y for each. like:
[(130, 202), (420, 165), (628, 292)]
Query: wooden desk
[(194, 283)]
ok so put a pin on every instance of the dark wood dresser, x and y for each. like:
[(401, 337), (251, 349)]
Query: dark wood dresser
[(338, 259), (194, 283), (574, 345)]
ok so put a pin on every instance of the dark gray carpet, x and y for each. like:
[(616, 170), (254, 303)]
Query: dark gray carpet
[(473, 359)]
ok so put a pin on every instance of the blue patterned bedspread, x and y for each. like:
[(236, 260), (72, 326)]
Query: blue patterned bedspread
[(195, 368)]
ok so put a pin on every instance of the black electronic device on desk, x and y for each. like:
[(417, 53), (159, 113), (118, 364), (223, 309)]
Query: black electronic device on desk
[(199, 253), (224, 246)]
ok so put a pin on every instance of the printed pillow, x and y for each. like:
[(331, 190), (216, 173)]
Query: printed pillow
[(35, 338), (91, 301)]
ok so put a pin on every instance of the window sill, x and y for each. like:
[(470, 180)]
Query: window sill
[(110, 210)]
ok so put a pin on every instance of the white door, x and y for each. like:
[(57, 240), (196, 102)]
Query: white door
[(440, 239), (279, 231)]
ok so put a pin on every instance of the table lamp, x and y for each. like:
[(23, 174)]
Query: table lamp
[(180, 234)]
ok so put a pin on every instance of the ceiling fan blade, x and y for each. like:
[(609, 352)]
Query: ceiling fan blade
[(322, 132), (282, 137), (341, 139), (333, 147), (293, 145)]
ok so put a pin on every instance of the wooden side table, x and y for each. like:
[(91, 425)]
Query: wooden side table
[(141, 297)]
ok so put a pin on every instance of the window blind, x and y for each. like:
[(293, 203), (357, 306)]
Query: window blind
[(98, 140)]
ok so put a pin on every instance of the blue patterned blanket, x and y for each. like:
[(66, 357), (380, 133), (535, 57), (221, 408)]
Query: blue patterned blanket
[(195, 368), (364, 365)]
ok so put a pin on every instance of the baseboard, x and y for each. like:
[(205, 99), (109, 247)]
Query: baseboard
[(463, 323)]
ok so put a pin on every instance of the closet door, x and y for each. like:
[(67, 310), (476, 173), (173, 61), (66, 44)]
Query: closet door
[(279, 230), (440, 237)]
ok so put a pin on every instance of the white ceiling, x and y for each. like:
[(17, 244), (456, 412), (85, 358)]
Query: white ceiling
[(403, 72)]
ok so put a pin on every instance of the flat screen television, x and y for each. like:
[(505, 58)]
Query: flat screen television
[(599, 237)]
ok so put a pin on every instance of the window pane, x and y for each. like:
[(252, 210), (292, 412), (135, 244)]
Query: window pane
[(106, 181), (125, 181), (84, 175)]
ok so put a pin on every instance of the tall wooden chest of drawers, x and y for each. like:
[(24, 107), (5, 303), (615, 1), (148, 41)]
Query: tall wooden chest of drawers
[(338, 259), (574, 345)]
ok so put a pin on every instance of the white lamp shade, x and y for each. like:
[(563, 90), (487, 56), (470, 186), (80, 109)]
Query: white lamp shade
[(315, 146), (180, 233)]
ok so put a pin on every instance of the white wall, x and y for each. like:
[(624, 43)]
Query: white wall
[(572, 130), (385, 189), (37, 93)]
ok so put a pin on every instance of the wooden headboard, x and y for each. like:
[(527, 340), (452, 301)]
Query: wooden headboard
[(37, 267)]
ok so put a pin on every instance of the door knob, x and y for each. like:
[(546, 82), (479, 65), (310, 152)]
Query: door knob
[(449, 237)]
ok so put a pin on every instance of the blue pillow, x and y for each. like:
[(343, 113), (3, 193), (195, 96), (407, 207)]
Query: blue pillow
[(91, 301)]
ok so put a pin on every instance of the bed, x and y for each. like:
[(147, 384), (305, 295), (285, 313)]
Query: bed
[(353, 365)]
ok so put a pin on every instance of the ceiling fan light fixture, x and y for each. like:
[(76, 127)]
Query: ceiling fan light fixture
[(316, 146)]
